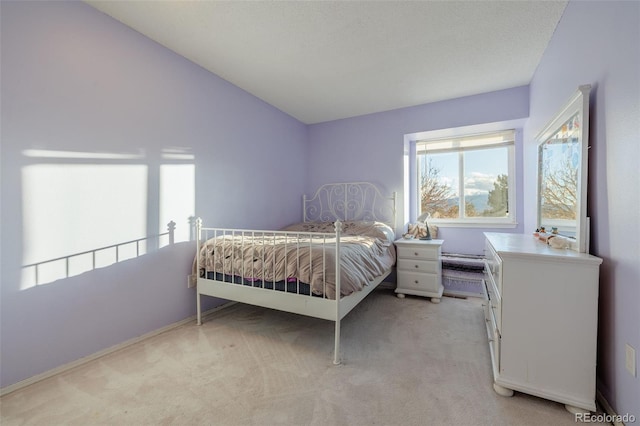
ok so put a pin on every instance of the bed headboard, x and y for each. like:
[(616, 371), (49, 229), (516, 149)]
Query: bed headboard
[(349, 201)]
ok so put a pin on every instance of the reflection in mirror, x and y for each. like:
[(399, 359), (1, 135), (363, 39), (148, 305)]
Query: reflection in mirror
[(562, 172), (559, 165)]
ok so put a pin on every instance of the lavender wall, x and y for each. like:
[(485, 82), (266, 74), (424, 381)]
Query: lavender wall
[(597, 43), (371, 148), (77, 81)]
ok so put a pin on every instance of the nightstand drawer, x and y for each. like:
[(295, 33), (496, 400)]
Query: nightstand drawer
[(418, 281), (419, 252), (424, 266)]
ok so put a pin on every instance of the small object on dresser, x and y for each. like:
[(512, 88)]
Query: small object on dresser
[(559, 242), (423, 218)]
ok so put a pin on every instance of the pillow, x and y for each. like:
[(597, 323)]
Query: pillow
[(387, 231), (323, 227), (419, 230), (369, 228), (374, 229)]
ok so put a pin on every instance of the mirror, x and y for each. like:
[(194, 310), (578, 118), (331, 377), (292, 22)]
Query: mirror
[(562, 172)]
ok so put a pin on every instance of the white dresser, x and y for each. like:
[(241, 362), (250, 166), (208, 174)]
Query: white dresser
[(542, 319), (419, 268)]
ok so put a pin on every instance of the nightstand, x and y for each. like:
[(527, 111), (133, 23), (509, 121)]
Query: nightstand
[(419, 268)]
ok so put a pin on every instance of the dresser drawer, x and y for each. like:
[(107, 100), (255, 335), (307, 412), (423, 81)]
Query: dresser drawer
[(496, 313), (419, 252), (494, 341), (418, 281), (495, 302), (414, 265), (493, 268)]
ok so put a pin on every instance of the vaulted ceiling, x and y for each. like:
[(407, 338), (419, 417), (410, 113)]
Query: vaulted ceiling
[(325, 60)]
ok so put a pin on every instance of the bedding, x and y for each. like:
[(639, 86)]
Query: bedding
[(297, 257)]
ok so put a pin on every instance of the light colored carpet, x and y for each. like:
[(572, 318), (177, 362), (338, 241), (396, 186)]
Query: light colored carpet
[(405, 362)]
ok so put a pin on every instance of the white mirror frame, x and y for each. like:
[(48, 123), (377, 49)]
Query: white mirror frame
[(577, 104)]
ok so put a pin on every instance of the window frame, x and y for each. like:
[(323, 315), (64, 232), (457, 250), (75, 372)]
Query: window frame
[(420, 145)]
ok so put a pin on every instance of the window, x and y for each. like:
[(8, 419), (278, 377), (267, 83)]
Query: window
[(468, 179)]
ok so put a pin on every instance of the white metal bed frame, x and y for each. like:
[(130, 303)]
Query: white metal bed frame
[(352, 201)]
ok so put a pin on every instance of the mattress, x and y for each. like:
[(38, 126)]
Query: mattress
[(302, 258)]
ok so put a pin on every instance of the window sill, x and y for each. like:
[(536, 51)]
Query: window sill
[(460, 224)]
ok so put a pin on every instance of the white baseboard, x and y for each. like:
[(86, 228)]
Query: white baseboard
[(604, 404), (73, 364)]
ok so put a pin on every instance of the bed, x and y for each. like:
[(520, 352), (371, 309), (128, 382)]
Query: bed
[(343, 246)]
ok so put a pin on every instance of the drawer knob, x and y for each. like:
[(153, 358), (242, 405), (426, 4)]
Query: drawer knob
[(416, 281), (415, 254), (416, 266)]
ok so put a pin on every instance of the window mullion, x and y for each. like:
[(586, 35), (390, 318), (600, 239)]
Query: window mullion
[(461, 203), (511, 190)]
